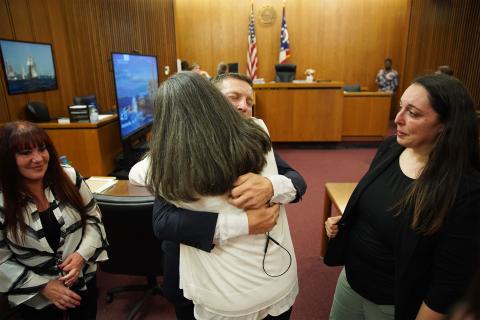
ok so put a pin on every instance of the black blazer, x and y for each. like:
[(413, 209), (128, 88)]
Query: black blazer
[(435, 269)]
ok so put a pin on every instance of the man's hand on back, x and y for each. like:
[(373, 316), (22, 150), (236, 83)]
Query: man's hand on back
[(263, 219), (251, 191)]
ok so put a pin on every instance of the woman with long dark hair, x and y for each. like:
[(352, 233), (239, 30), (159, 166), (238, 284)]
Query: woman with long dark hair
[(51, 231), (200, 145), (408, 236)]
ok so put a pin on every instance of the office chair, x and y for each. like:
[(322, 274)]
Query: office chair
[(233, 67), (285, 72), (37, 111), (133, 248), (352, 88)]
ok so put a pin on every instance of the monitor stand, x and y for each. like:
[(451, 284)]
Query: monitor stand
[(130, 156)]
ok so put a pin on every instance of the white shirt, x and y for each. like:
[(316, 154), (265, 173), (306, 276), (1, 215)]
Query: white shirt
[(229, 282), (228, 226)]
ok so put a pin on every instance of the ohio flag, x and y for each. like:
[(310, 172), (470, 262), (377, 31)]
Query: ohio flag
[(284, 43)]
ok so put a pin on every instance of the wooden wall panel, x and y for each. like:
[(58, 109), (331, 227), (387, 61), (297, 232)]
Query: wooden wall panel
[(83, 34), (445, 33), (5, 32), (345, 40)]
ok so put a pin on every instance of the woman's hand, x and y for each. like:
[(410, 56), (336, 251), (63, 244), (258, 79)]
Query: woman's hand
[(72, 267), (61, 296), (331, 226)]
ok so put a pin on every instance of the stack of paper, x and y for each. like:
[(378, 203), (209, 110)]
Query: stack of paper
[(99, 184)]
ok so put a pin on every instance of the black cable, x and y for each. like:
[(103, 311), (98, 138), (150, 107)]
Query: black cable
[(265, 254)]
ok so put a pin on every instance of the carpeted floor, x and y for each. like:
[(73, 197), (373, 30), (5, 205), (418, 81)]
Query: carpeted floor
[(317, 282)]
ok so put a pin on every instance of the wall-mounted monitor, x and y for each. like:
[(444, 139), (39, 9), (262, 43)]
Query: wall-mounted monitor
[(136, 83), (28, 66)]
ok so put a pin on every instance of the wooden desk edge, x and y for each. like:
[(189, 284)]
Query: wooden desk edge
[(78, 125), (327, 208), (125, 188), (292, 85), (367, 94)]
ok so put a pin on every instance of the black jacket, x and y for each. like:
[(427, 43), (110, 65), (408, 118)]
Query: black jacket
[(435, 269)]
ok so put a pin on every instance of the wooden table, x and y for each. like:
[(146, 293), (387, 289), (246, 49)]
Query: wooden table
[(366, 115), (301, 112), (91, 147), (338, 194), (124, 188)]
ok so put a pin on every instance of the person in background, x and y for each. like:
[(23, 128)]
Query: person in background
[(222, 68), (185, 65), (246, 277), (444, 70), (196, 68), (199, 229), (409, 235), (51, 233), (387, 78)]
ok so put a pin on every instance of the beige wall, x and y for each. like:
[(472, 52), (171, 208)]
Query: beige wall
[(344, 40)]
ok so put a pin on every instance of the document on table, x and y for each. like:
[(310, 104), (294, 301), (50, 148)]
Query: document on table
[(99, 184)]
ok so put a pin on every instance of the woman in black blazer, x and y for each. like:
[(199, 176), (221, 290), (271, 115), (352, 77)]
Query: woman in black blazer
[(408, 237)]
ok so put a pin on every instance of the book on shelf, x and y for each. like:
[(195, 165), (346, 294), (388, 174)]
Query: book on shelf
[(98, 184)]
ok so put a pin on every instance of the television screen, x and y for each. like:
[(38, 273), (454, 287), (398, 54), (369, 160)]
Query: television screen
[(28, 66), (136, 83)]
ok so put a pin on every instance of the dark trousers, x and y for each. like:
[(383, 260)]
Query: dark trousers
[(283, 316), (171, 280), (87, 310)]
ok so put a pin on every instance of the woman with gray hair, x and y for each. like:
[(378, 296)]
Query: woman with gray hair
[(200, 145)]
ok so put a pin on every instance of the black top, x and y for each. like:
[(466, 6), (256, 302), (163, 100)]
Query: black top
[(51, 227), (432, 269), (369, 262)]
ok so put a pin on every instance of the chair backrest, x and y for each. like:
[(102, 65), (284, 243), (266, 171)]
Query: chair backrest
[(37, 111), (285, 72), (87, 100), (352, 88), (133, 248), (233, 67)]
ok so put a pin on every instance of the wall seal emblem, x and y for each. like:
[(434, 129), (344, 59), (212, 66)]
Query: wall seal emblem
[(267, 15)]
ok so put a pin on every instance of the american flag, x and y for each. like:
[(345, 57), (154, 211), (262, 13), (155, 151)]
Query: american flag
[(252, 48), (284, 43)]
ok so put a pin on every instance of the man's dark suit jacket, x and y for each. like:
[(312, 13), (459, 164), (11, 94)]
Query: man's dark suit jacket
[(435, 269), (196, 228)]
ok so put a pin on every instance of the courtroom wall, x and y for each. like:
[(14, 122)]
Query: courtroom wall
[(445, 32), (344, 40), (83, 34)]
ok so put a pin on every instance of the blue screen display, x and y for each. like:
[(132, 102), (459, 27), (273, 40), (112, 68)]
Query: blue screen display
[(136, 84)]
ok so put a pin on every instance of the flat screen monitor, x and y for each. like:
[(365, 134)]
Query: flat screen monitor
[(285, 72), (136, 83)]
